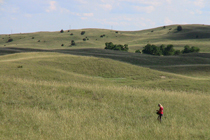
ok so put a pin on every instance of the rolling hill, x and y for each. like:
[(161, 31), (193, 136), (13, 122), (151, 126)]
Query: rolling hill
[(49, 91)]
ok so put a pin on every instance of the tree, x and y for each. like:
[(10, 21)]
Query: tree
[(9, 40), (83, 32), (137, 51), (73, 43), (177, 52), (61, 31), (169, 50), (111, 46), (186, 49), (179, 28)]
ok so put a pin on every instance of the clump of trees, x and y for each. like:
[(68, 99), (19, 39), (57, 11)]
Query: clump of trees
[(111, 46), (167, 50)]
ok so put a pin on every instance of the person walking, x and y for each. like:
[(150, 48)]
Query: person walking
[(160, 112)]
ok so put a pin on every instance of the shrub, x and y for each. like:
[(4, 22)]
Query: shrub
[(169, 50), (179, 28), (137, 51), (84, 39), (38, 41), (83, 32), (71, 34), (111, 46), (73, 43), (103, 35), (186, 49), (177, 52), (61, 31), (62, 44), (10, 40), (32, 38)]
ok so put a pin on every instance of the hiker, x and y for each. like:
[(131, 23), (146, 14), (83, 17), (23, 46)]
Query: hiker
[(160, 112)]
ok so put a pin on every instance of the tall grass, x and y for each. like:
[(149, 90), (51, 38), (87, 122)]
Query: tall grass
[(50, 99)]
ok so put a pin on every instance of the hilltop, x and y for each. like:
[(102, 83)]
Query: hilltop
[(193, 35)]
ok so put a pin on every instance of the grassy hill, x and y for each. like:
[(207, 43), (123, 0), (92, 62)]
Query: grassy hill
[(62, 96), (49, 91), (193, 35)]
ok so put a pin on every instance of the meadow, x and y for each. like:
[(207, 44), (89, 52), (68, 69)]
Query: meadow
[(83, 92)]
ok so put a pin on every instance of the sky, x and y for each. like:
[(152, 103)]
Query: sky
[(24, 16)]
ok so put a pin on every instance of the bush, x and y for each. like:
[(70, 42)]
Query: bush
[(10, 40), (71, 34), (62, 44), (137, 51), (169, 50), (111, 46), (84, 39), (83, 32), (73, 43), (61, 31), (188, 49), (103, 35), (32, 38), (179, 28)]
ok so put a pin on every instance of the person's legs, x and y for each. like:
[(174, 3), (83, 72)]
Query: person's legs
[(160, 116)]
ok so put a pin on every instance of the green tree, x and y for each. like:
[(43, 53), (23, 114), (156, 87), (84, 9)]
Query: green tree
[(73, 43), (179, 28), (169, 50), (137, 51), (194, 49), (186, 49)]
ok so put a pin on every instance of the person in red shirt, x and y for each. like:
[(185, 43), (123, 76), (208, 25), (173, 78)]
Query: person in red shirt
[(160, 112)]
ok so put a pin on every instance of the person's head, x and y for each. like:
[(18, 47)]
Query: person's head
[(159, 105)]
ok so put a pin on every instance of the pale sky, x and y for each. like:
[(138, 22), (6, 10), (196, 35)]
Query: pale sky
[(23, 16)]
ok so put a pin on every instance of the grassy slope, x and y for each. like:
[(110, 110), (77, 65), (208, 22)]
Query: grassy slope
[(135, 39), (58, 96)]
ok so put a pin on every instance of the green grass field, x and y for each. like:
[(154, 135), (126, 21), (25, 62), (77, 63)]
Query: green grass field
[(98, 94), (193, 35)]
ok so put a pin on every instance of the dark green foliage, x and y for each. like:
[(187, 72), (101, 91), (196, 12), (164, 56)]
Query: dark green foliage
[(71, 34), (83, 32), (73, 43), (188, 49), (111, 46), (177, 52), (38, 41), (137, 51), (62, 44), (32, 38), (179, 28), (84, 39), (10, 40), (103, 35), (61, 31), (169, 50), (152, 49)]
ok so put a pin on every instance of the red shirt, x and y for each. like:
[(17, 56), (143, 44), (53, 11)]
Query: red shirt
[(160, 110)]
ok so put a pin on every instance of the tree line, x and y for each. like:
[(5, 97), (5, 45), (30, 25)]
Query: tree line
[(166, 50), (111, 46)]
